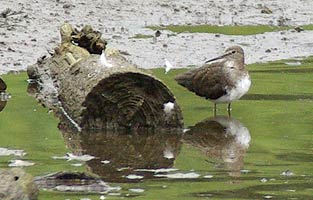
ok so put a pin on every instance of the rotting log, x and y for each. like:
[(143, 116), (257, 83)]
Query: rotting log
[(93, 96)]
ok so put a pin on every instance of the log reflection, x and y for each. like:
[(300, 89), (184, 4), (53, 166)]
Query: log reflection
[(120, 153)]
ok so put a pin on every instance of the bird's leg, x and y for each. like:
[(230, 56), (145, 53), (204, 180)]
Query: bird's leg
[(229, 109), (214, 109)]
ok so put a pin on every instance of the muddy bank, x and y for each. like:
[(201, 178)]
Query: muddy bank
[(29, 29)]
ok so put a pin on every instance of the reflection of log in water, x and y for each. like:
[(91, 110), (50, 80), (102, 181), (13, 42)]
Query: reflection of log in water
[(222, 138), (3, 86), (2, 105), (125, 152)]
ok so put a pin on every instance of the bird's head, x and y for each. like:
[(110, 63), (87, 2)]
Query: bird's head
[(232, 53)]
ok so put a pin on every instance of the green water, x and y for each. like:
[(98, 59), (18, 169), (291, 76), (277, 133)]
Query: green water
[(226, 30), (277, 112)]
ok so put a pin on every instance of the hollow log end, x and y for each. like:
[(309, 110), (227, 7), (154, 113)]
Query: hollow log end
[(131, 99)]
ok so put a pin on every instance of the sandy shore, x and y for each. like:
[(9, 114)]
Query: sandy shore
[(34, 30)]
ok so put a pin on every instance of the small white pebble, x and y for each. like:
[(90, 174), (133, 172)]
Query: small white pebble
[(245, 171), (105, 161), (293, 63), (138, 190), (102, 197), (20, 163), (208, 176), (134, 176), (185, 130), (114, 194), (168, 107), (77, 164), (168, 66), (264, 180), (287, 173), (167, 153)]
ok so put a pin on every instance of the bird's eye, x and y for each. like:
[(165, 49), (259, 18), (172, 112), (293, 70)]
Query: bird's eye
[(233, 52)]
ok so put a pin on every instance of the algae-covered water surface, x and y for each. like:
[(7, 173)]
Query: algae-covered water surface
[(264, 151)]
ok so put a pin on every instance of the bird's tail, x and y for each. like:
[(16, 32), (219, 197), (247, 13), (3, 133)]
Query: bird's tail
[(185, 79)]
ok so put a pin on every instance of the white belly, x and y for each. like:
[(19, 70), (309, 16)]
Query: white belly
[(232, 94)]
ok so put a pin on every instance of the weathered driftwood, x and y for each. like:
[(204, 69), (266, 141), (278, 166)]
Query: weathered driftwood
[(16, 184), (96, 96)]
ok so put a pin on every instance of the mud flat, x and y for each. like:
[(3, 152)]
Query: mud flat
[(29, 30)]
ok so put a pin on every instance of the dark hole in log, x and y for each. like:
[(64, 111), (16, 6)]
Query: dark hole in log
[(72, 176), (129, 100)]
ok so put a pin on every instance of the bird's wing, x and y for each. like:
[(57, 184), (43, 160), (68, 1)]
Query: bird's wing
[(207, 81)]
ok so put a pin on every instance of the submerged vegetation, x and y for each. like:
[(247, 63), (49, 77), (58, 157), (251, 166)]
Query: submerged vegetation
[(142, 36), (226, 30), (277, 111)]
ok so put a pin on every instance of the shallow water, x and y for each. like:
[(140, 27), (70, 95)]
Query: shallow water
[(263, 151)]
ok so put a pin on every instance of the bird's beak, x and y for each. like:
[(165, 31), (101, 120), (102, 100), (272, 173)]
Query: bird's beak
[(218, 58)]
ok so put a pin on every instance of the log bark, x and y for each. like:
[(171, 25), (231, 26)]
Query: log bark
[(94, 96)]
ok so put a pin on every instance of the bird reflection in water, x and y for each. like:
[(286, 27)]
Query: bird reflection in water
[(223, 140), (122, 156)]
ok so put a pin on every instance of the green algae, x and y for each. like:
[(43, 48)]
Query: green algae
[(226, 29)]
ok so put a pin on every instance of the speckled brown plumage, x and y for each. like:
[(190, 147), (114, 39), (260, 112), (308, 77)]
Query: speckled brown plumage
[(207, 81), (221, 82)]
